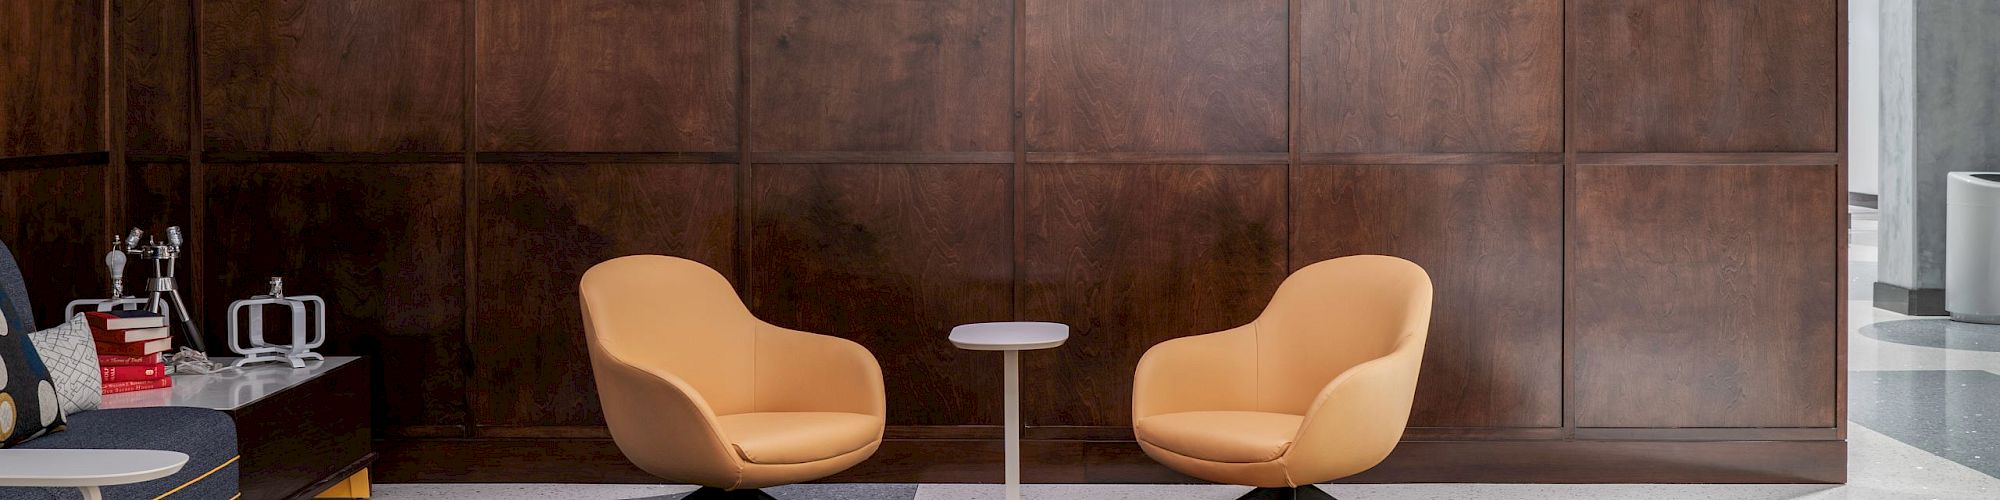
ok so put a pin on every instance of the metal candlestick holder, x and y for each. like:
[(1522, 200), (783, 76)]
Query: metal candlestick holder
[(303, 339)]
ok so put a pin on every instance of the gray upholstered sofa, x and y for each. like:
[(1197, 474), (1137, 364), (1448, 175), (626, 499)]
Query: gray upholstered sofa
[(207, 436)]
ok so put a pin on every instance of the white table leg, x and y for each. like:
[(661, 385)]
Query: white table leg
[(1013, 424), (91, 493)]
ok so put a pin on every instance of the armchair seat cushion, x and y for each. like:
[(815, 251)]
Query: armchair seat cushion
[(778, 438), (1238, 437)]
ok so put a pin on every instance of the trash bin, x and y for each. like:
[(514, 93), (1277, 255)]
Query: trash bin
[(1972, 247)]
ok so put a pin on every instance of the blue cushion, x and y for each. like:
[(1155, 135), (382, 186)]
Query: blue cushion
[(14, 295), (207, 436)]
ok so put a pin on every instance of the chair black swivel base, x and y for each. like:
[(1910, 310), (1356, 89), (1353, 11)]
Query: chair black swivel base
[(714, 493), (1307, 492)]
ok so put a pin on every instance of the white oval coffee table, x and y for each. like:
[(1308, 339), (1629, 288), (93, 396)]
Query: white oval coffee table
[(1011, 337), (86, 470)]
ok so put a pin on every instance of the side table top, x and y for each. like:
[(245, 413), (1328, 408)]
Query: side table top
[(228, 390), (79, 468), (1009, 335)]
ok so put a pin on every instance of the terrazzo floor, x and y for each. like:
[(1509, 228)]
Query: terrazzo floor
[(1924, 410)]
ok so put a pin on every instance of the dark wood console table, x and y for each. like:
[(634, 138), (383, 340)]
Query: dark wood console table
[(300, 432)]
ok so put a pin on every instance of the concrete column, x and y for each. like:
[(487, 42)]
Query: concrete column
[(1864, 99), (1940, 63)]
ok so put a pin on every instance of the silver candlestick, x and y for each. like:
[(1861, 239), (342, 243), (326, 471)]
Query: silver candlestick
[(162, 287)]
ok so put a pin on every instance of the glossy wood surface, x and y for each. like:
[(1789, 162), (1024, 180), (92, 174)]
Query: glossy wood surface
[(1097, 239), (1155, 75), (50, 74), (53, 219), (56, 178), (156, 196), (935, 77), (331, 75), (540, 227), (382, 244), (891, 256), (1704, 75), (153, 55), (1491, 238), (1430, 75), (307, 434), (607, 75), (1702, 296)]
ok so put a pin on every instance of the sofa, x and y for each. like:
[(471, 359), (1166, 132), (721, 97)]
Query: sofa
[(208, 437)]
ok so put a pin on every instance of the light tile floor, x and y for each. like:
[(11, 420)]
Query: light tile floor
[(1937, 397)]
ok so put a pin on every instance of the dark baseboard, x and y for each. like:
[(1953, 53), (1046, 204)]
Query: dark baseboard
[(1918, 302), (1114, 462), (1863, 200)]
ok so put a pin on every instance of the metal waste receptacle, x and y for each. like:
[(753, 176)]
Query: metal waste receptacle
[(1972, 247)]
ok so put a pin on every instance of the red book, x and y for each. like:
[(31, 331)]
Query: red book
[(131, 373), (116, 360), (135, 348), (132, 335), (137, 385), (124, 320)]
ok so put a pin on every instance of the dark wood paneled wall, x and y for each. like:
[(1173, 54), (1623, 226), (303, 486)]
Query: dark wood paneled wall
[(603, 75), (1629, 206), (56, 186), (399, 288), (556, 220), (347, 75), (888, 255)]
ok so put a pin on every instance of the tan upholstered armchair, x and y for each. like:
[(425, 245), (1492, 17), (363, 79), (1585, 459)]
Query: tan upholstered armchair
[(1317, 388), (697, 390)]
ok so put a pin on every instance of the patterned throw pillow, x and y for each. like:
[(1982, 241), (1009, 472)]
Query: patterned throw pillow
[(72, 360), (29, 407)]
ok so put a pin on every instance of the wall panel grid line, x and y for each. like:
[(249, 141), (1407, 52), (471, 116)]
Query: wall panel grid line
[(469, 193), (1017, 126)]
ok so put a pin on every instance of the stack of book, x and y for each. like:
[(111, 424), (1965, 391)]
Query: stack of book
[(129, 344)]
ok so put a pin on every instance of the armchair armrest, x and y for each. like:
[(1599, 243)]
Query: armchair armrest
[(1215, 371), (661, 424), (1358, 418), (799, 371)]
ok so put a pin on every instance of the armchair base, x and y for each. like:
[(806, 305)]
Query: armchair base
[(1307, 492), (714, 493)]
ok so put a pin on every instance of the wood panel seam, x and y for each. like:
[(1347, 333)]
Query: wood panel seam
[(469, 176)]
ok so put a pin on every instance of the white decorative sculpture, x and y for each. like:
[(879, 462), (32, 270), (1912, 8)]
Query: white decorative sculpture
[(258, 350)]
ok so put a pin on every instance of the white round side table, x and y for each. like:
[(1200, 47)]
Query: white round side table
[(1011, 337), (86, 470)]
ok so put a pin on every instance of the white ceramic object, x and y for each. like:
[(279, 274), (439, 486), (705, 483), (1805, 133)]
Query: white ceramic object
[(1972, 240)]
